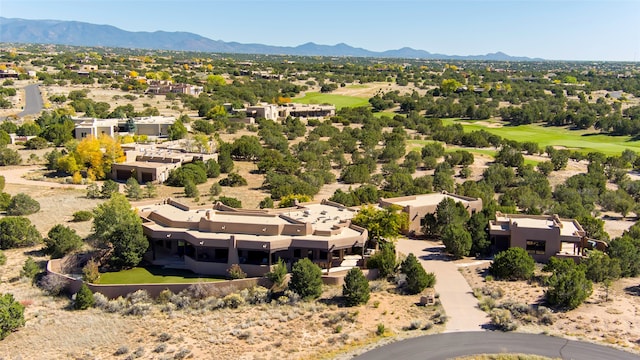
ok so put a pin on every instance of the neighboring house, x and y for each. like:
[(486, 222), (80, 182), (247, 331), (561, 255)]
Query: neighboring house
[(150, 164), (417, 206), (153, 125), (543, 236), (266, 111), (306, 110), (157, 126), (163, 87), (275, 112), (91, 127), (209, 240)]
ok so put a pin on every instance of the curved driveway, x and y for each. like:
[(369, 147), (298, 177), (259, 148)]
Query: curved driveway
[(33, 100), (456, 296), (451, 345)]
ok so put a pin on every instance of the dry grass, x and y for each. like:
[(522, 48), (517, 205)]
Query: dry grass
[(610, 322)]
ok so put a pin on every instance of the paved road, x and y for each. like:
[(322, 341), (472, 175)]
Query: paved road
[(33, 100), (455, 293), (447, 346)]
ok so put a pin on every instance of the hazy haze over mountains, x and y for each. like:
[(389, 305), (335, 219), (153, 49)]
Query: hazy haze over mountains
[(86, 34)]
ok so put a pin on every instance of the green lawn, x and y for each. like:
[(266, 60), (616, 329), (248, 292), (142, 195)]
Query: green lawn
[(339, 101), (153, 275), (582, 140)]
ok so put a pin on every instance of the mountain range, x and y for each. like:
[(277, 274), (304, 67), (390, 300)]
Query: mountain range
[(86, 34)]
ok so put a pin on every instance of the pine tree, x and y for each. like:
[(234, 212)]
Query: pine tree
[(355, 288)]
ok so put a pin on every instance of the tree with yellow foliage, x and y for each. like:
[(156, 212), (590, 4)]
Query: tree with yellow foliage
[(95, 155)]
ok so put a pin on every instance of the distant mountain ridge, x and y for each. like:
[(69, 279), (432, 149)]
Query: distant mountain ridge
[(86, 34)]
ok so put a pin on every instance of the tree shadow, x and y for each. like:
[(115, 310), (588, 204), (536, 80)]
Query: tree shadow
[(338, 301), (633, 290), (32, 253), (435, 253)]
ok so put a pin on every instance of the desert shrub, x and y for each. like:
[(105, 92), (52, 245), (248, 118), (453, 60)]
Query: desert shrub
[(233, 301), (61, 240), (138, 309), (181, 301), (266, 203), (503, 320), (22, 204), (93, 191), (122, 350), (82, 215), (36, 143), (17, 231), (52, 284), (90, 271), (380, 329), (384, 260), (235, 272), (230, 201), (233, 180), (289, 298), (486, 304), (137, 297), (3, 258), (568, 289), (196, 291), (306, 279), (278, 274), (30, 269), (160, 348), (190, 189), (414, 325), (100, 301), (84, 298), (512, 264), (164, 296), (494, 292), (256, 295), (9, 156), (417, 277), (11, 315), (356, 288)]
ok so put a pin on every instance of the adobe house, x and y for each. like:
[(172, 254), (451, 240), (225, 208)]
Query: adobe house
[(208, 240), (417, 206), (543, 236), (148, 163)]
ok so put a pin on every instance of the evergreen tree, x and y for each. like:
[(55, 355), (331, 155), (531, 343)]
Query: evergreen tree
[(355, 288), (11, 315), (84, 298), (132, 189), (417, 277), (306, 279)]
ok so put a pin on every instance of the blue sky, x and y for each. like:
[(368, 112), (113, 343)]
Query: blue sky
[(549, 29)]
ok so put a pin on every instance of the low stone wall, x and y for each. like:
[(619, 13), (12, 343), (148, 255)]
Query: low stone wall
[(112, 291), (219, 289), (337, 279)]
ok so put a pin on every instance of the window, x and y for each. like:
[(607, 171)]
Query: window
[(536, 247)]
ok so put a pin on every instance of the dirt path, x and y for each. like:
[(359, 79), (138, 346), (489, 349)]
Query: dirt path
[(456, 295), (15, 175)]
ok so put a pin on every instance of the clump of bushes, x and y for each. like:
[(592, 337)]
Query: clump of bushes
[(82, 215)]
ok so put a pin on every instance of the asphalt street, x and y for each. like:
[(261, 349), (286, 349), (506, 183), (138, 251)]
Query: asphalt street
[(33, 100), (451, 345)]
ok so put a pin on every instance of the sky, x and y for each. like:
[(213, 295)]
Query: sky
[(598, 30)]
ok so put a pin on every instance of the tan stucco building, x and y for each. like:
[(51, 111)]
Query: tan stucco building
[(417, 206), (208, 240), (543, 236)]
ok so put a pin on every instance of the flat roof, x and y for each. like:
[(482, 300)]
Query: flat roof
[(320, 216), (425, 200)]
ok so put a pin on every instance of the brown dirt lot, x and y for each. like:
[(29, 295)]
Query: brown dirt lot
[(612, 322)]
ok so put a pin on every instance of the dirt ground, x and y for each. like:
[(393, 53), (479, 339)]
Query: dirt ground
[(321, 329), (612, 322)]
